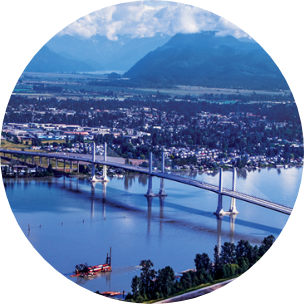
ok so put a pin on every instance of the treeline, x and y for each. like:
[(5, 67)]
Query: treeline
[(233, 260)]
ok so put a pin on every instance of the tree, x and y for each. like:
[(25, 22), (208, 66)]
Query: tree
[(266, 244), (165, 281), (135, 286), (218, 264), (50, 169), (228, 254), (147, 278), (202, 262)]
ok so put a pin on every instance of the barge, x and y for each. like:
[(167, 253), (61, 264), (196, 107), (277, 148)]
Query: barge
[(84, 270)]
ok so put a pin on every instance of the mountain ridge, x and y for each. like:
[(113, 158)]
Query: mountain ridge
[(206, 59)]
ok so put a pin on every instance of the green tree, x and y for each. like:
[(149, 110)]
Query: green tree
[(165, 281), (228, 253), (135, 286), (147, 277), (202, 262)]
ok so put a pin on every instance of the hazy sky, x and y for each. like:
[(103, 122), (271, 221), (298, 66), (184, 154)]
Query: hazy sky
[(146, 18)]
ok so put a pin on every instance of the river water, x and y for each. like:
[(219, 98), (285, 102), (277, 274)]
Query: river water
[(72, 222)]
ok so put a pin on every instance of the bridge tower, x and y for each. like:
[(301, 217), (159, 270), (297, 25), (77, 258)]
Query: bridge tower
[(105, 168), (232, 209), (219, 210), (150, 192), (162, 186), (93, 177)]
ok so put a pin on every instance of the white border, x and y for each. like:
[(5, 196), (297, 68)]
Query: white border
[(27, 25)]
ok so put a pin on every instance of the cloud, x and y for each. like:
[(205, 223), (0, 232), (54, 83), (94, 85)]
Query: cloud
[(147, 18)]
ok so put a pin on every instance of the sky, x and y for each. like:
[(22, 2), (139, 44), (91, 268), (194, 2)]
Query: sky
[(147, 18)]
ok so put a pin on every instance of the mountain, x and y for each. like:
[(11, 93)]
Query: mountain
[(206, 59), (50, 62), (104, 54)]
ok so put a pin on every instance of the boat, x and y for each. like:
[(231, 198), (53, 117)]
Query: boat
[(111, 293), (84, 270)]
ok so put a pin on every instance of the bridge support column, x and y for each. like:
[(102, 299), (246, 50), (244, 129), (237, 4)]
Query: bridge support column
[(78, 167), (150, 192), (56, 163), (48, 161), (105, 152), (104, 173), (71, 166), (64, 165), (162, 187), (40, 161), (232, 209), (93, 177), (219, 210)]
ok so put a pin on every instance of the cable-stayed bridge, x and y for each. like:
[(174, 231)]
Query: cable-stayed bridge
[(233, 187)]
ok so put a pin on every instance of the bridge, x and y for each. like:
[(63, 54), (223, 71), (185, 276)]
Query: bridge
[(256, 198)]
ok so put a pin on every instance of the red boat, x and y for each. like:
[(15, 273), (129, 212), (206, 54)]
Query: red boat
[(85, 270)]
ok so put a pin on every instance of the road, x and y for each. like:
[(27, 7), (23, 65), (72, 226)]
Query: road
[(195, 293)]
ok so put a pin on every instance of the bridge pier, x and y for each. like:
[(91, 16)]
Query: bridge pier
[(93, 177), (71, 166), (149, 191), (56, 163), (48, 161), (104, 173), (78, 167), (219, 211), (64, 165), (232, 209), (162, 187), (40, 161)]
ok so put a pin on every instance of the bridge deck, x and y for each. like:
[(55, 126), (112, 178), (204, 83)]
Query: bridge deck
[(173, 177)]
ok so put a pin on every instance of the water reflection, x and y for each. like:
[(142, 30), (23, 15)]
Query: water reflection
[(92, 199), (219, 219), (143, 179), (149, 207)]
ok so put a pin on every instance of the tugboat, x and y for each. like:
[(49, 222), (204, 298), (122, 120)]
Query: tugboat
[(84, 270)]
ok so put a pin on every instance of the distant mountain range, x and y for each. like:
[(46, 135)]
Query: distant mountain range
[(203, 59), (104, 54), (206, 59), (50, 62)]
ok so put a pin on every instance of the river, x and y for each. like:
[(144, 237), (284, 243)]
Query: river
[(72, 222)]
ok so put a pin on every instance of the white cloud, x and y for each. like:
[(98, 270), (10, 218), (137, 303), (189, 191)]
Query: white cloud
[(146, 18)]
